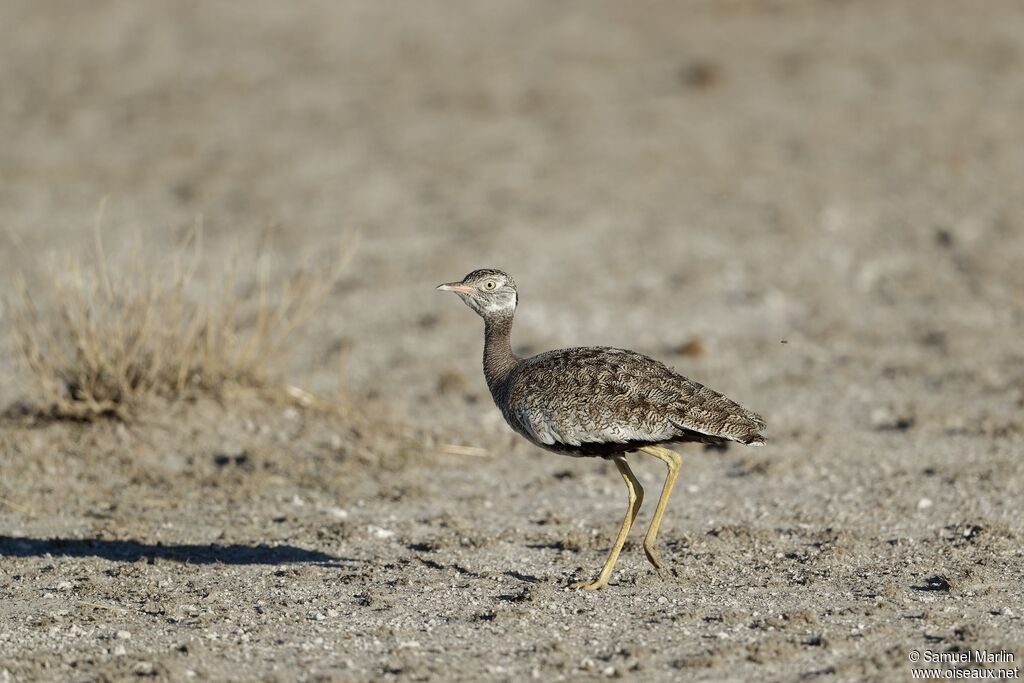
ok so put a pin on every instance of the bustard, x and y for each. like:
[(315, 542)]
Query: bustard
[(599, 401)]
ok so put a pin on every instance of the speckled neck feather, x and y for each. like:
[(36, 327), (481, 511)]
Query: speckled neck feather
[(498, 357)]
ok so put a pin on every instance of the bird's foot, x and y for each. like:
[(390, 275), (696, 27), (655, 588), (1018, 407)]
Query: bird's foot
[(653, 558), (596, 584)]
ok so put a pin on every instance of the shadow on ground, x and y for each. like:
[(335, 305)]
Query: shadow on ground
[(131, 551)]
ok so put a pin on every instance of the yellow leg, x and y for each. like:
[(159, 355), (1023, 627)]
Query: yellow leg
[(636, 497), (674, 461)]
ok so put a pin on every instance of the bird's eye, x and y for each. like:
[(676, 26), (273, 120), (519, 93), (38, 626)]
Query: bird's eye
[(490, 284)]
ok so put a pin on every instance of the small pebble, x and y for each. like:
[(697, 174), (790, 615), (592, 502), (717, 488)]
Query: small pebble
[(924, 503), (887, 418), (144, 669)]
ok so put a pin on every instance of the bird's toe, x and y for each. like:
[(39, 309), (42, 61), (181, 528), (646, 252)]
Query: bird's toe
[(652, 557)]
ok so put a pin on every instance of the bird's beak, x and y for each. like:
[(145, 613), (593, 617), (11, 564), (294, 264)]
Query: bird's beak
[(456, 287)]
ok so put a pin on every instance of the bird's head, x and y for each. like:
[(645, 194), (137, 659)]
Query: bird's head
[(489, 292)]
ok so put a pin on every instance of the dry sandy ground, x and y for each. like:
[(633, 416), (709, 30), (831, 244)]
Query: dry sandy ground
[(699, 181)]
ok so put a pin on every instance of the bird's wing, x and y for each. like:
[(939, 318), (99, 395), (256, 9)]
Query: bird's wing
[(604, 395), (577, 396), (696, 408)]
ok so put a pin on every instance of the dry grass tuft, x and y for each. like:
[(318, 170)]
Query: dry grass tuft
[(96, 340)]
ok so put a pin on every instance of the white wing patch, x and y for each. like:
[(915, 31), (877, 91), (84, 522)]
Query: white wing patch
[(543, 428)]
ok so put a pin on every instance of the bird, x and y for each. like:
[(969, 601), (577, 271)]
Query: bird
[(599, 402)]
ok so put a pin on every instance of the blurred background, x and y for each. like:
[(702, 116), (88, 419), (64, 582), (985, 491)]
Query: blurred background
[(812, 206), (743, 172)]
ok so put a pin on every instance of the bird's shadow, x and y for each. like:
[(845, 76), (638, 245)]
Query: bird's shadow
[(132, 551)]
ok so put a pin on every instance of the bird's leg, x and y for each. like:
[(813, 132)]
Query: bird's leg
[(636, 498), (674, 461)]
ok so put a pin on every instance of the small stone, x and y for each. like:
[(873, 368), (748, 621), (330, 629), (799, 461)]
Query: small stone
[(924, 503), (888, 418), (144, 669), (380, 533), (662, 600), (124, 635), (691, 347)]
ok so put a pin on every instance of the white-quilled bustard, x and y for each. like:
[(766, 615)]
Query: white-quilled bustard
[(599, 401)]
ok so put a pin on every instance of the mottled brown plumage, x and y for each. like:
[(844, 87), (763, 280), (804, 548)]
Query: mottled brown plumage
[(598, 401), (604, 401)]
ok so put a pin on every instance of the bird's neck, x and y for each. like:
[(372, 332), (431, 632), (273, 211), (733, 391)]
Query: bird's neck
[(498, 357)]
